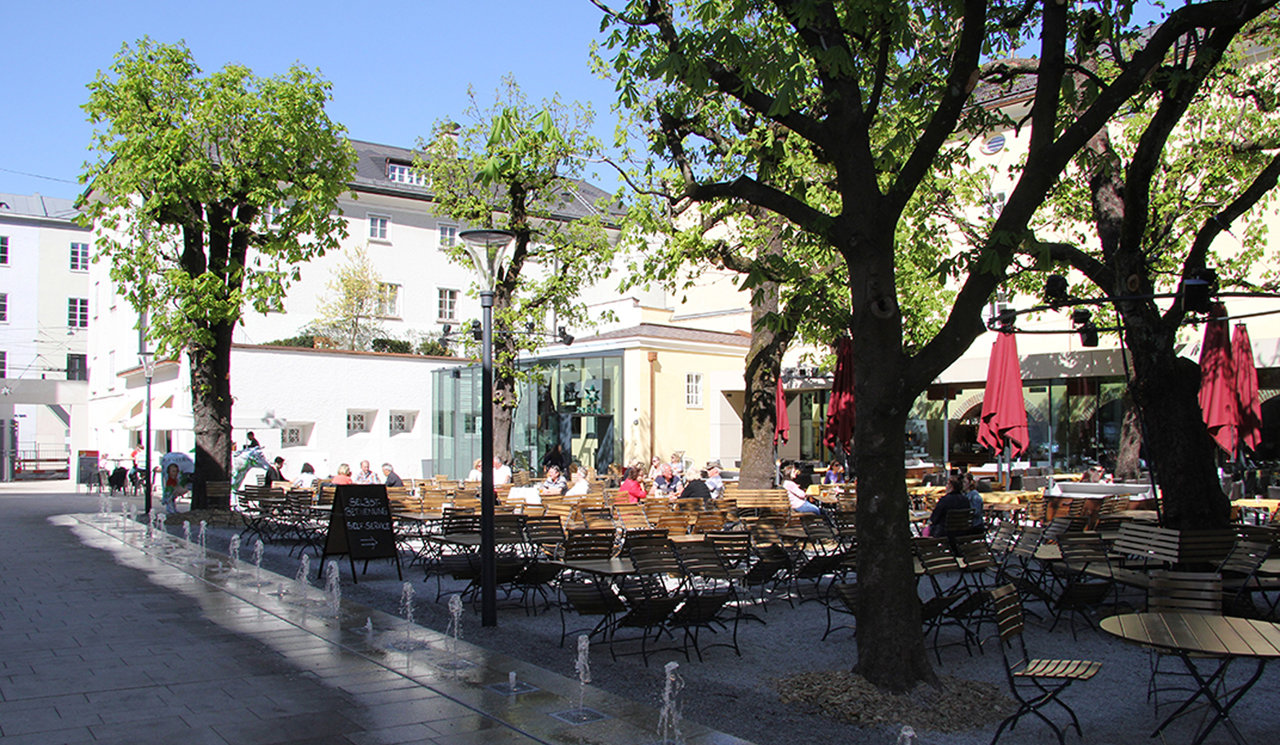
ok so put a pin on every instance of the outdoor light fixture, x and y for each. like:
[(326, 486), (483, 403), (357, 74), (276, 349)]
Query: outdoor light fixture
[(1082, 319), (1006, 318), (488, 250), (477, 331), (1197, 290), (1055, 290), (565, 337)]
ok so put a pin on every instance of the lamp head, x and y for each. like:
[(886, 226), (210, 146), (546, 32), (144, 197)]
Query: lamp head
[(1055, 290)]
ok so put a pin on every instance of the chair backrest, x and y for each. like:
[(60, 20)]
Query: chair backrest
[(1008, 609), (1189, 592), (1244, 559), (1079, 550), (644, 537), (935, 555), (734, 546), (585, 544)]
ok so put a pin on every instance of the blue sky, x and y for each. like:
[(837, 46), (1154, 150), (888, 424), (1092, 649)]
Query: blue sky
[(396, 66)]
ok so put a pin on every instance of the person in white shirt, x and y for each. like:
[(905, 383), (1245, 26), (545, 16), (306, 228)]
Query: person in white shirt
[(475, 474), (578, 485), (501, 472)]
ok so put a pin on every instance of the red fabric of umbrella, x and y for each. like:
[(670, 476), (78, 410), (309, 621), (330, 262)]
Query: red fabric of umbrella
[(782, 422), (1004, 413), (840, 409), (1246, 388), (1218, 402)]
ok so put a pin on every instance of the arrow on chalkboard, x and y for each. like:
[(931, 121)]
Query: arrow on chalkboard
[(368, 542)]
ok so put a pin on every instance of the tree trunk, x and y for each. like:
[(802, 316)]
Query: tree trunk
[(1166, 388), (891, 651), (1128, 456), (211, 408), (760, 378)]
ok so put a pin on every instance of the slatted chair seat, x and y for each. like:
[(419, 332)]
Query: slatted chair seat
[(589, 599), (842, 598), (1035, 683)]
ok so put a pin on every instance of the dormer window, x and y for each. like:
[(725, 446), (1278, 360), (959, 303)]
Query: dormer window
[(404, 173)]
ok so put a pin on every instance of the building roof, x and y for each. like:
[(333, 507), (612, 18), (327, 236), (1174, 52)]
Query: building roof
[(36, 205), (371, 175), (658, 331)]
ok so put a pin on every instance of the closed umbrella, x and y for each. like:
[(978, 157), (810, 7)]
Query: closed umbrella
[(1218, 403), (782, 422), (840, 410), (1004, 413), (1246, 377)]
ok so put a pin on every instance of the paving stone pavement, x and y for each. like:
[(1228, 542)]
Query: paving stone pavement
[(103, 642)]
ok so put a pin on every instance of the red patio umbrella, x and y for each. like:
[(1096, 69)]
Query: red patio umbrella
[(1004, 414), (781, 422), (840, 409), (1218, 402), (1246, 378)]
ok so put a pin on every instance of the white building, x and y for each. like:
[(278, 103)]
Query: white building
[(44, 280)]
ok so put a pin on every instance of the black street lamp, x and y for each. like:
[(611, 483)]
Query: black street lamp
[(148, 360), (488, 251)]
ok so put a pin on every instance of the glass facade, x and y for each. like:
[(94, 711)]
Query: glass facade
[(1070, 423), (573, 401)]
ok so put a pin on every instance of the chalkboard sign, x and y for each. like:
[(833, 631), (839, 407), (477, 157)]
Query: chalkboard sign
[(360, 526)]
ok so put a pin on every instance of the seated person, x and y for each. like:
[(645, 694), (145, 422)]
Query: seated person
[(578, 484), (834, 474), (631, 490), (975, 500), (714, 482), (668, 482), (554, 484), (956, 498), (796, 493), (698, 489), (475, 474)]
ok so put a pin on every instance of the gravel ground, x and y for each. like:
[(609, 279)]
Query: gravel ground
[(787, 683)]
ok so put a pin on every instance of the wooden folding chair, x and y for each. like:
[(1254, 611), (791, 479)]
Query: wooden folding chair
[(1034, 683)]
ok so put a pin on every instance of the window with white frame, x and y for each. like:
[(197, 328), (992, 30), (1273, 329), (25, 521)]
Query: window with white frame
[(4, 307), (447, 306), (78, 312), (4, 364), (405, 174), (378, 227), (4, 250), (388, 300), (693, 390), (448, 235), (401, 422), (359, 421), (79, 257), (296, 434)]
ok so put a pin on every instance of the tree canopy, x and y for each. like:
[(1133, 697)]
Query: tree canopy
[(883, 96), (208, 192)]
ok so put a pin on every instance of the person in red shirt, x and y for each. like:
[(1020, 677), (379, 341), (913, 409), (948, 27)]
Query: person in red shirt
[(344, 475), (631, 490)]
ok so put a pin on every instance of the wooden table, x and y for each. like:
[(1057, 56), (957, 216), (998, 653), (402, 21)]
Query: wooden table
[(1225, 638)]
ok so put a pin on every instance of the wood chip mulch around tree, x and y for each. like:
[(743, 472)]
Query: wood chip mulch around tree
[(955, 705)]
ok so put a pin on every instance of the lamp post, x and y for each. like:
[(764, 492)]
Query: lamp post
[(488, 251), (148, 360)]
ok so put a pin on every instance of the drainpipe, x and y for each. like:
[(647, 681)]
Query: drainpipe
[(653, 373)]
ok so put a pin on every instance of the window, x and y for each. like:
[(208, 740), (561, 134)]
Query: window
[(4, 365), (359, 420), (77, 367), (405, 174), (78, 313), (693, 390), (79, 257), (402, 421), (378, 227), (448, 235), (4, 250), (388, 300), (447, 309), (296, 435), (4, 307)]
